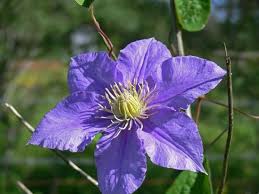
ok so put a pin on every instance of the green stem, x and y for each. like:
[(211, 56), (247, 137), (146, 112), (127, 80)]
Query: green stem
[(230, 124)]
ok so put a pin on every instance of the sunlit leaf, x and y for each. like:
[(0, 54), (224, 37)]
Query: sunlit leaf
[(192, 183), (183, 183), (192, 14), (85, 3)]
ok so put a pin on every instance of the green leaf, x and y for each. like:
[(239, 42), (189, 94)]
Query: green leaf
[(183, 183), (85, 3), (192, 14), (192, 183), (203, 183)]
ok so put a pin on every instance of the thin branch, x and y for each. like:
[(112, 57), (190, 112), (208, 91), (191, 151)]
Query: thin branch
[(106, 39), (216, 139), (198, 110), (17, 114), (76, 168), (59, 154), (230, 123), (23, 187), (234, 108)]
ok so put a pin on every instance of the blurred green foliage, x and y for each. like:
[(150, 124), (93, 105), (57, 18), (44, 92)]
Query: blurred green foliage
[(85, 3), (37, 40), (192, 15)]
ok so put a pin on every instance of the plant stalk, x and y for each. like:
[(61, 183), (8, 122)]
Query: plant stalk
[(230, 124)]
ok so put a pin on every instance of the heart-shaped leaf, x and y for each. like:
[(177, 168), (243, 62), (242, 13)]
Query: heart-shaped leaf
[(192, 15), (85, 3)]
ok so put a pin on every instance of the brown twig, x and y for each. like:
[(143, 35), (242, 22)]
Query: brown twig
[(234, 108), (216, 139), (230, 124), (59, 154), (23, 187), (198, 109), (106, 39)]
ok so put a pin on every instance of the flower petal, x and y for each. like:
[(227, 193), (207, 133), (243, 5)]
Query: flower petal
[(92, 71), (70, 125), (121, 163), (183, 79), (140, 58), (172, 140)]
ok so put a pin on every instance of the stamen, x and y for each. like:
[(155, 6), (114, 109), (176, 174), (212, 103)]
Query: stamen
[(143, 117), (130, 125), (125, 125), (111, 125), (128, 105), (121, 120), (139, 124), (115, 121), (116, 134), (103, 108), (108, 91), (152, 107), (108, 98), (103, 117), (150, 94)]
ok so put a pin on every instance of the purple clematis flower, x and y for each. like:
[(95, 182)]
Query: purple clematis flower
[(135, 103)]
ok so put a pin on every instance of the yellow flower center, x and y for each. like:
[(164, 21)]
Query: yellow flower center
[(126, 102), (127, 105)]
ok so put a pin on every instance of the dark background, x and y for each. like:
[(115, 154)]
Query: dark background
[(37, 39)]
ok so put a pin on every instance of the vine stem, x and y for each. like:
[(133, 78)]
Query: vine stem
[(25, 189), (216, 139), (230, 124), (59, 154), (106, 39), (234, 108), (179, 39), (198, 110)]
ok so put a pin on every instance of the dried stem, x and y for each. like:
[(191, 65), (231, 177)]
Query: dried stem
[(230, 124), (234, 108), (106, 39), (198, 110), (23, 187), (179, 40), (59, 154)]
